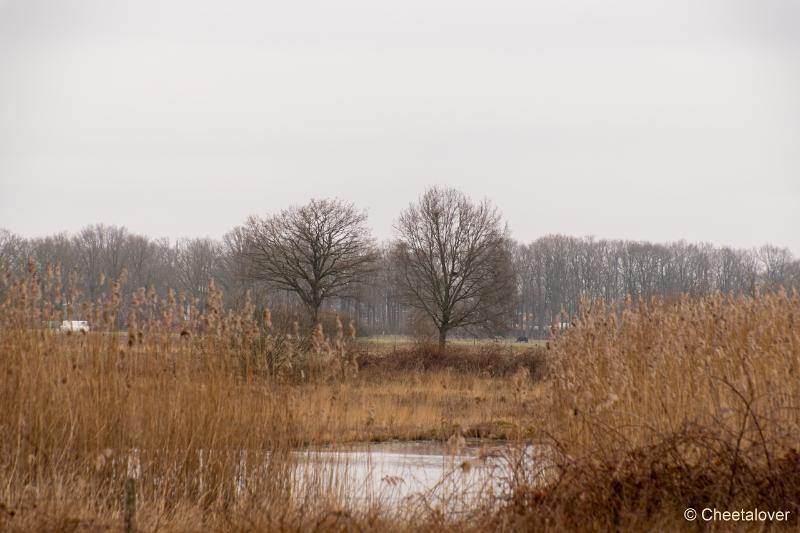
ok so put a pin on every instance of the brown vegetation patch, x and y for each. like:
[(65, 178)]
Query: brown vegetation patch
[(651, 487), (490, 360), (648, 408)]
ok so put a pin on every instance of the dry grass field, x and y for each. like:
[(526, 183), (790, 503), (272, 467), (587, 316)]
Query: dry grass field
[(646, 409)]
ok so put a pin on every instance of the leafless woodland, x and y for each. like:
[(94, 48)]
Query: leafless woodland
[(453, 267)]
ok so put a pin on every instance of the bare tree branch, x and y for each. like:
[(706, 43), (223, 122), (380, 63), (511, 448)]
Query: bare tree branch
[(320, 250), (454, 262)]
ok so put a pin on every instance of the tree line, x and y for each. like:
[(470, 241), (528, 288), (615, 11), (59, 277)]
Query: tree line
[(452, 268)]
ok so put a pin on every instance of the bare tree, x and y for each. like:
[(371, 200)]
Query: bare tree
[(13, 250), (101, 252), (196, 261), (454, 262), (776, 264), (319, 250)]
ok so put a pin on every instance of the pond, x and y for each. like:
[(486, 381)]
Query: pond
[(426, 473), (390, 475)]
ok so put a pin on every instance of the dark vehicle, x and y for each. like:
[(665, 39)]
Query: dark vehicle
[(522, 339)]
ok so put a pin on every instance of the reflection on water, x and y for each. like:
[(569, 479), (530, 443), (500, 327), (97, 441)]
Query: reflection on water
[(388, 474)]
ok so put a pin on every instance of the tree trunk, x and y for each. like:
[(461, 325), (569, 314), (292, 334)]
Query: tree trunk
[(442, 339)]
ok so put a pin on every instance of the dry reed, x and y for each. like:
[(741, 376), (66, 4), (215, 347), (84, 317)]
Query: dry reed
[(642, 410), (202, 405), (665, 405)]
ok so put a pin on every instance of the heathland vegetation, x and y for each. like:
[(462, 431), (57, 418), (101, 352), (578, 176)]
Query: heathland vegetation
[(674, 386)]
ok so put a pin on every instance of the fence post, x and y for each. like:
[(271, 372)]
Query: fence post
[(129, 517)]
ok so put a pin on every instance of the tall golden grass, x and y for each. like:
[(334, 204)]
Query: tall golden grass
[(664, 405), (643, 410), (185, 400)]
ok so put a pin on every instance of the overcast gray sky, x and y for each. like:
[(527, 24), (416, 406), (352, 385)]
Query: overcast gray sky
[(656, 120)]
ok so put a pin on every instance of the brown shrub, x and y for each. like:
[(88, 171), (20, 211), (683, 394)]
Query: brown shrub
[(487, 360), (650, 487), (661, 406)]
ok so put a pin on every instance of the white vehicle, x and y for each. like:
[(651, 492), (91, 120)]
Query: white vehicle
[(75, 325)]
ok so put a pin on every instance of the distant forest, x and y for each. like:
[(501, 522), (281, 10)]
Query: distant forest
[(552, 275)]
